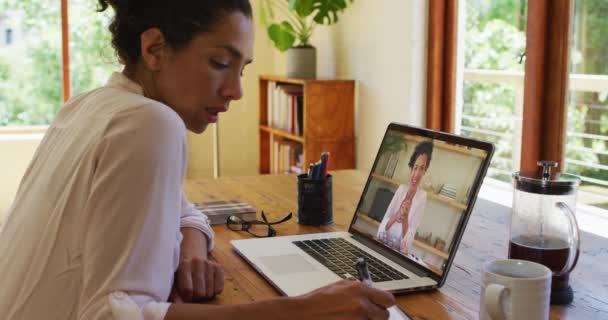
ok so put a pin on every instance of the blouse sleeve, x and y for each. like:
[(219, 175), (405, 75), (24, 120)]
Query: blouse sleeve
[(392, 207), (131, 240), (191, 217), (417, 212)]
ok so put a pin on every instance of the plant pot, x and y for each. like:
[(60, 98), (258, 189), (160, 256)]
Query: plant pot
[(302, 62)]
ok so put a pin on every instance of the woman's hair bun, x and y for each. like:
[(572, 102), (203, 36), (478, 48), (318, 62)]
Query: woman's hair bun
[(424, 147), (104, 4)]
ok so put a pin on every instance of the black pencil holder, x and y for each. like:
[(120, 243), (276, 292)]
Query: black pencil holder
[(314, 201)]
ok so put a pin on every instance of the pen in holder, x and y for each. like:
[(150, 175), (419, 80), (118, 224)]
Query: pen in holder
[(314, 200)]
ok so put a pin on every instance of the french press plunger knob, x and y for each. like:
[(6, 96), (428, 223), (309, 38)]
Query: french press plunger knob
[(547, 165)]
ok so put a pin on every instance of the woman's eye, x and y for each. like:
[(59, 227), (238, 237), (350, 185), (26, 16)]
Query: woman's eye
[(219, 65)]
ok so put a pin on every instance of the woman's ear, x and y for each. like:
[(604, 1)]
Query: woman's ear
[(152, 48)]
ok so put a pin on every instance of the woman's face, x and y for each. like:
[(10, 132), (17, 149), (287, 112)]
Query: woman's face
[(200, 80), (418, 170)]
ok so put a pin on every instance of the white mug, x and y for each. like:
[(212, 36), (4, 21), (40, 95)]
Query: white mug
[(514, 289)]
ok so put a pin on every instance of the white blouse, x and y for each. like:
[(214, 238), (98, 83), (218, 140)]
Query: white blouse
[(94, 231), (415, 214)]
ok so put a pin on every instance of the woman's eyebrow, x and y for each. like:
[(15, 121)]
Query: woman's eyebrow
[(234, 52)]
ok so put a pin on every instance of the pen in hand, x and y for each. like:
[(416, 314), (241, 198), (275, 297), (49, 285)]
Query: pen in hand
[(394, 312), (363, 271)]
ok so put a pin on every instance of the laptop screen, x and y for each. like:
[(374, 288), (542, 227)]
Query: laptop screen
[(417, 196)]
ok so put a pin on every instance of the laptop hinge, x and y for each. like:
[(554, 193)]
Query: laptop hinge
[(394, 257)]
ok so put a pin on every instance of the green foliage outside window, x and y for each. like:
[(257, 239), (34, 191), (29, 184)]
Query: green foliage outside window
[(588, 112), (30, 71), (495, 40)]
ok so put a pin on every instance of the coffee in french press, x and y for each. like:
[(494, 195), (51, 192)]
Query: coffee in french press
[(543, 225)]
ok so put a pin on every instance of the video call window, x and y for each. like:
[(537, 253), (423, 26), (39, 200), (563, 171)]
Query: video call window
[(417, 196)]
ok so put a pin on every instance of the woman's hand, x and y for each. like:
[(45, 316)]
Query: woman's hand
[(403, 246), (396, 216), (197, 278), (344, 300)]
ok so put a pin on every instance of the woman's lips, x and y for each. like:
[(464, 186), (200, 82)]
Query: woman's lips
[(213, 113), (213, 118)]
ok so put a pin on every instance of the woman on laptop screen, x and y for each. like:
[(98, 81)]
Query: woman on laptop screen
[(405, 210)]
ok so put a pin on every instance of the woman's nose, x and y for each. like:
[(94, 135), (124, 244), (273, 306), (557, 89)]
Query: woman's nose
[(232, 88)]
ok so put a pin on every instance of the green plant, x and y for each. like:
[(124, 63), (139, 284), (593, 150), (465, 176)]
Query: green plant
[(301, 18), (393, 143)]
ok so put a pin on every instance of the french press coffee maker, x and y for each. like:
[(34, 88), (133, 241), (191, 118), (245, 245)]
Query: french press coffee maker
[(543, 225)]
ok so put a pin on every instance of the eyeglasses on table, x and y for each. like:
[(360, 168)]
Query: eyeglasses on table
[(257, 228)]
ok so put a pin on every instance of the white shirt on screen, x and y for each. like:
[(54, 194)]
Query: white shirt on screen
[(94, 231), (415, 214)]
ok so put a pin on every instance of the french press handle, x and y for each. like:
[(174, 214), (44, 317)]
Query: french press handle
[(574, 231)]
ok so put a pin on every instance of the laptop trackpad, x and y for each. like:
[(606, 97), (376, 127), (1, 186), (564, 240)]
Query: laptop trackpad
[(286, 264)]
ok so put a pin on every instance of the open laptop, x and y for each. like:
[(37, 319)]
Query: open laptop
[(416, 259)]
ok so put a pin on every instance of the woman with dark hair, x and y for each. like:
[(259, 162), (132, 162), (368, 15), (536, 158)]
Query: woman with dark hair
[(403, 214), (100, 227)]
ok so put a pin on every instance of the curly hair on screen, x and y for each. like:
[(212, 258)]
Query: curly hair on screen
[(425, 147), (179, 21)]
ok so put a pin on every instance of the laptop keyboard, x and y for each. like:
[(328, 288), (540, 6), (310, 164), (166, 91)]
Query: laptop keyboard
[(339, 256)]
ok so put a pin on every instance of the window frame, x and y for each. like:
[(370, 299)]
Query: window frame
[(441, 64), (65, 51), (546, 77)]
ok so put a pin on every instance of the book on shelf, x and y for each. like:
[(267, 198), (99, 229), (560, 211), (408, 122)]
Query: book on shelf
[(269, 103), (219, 211), (448, 191), (286, 156), (284, 107)]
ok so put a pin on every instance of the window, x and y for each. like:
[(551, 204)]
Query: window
[(490, 109), (8, 36), (512, 81), (31, 78), (587, 139), (92, 58)]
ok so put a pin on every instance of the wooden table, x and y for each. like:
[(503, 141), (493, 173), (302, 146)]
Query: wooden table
[(485, 238)]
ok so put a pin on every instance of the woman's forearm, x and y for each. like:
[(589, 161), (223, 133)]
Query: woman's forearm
[(194, 242), (278, 308), (390, 222), (393, 218), (404, 226)]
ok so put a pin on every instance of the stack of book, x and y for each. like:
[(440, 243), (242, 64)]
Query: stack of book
[(219, 211), (286, 157), (448, 191), (285, 105)]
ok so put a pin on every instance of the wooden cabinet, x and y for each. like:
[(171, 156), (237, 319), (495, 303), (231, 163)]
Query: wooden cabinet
[(327, 122)]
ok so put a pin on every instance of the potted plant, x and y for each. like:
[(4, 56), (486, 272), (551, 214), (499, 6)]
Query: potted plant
[(390, 152), (293, 33)]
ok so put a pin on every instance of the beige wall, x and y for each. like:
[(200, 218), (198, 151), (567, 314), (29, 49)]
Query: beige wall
[(17, 151), (382, 45)]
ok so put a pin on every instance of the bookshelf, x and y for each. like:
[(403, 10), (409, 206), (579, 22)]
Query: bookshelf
[(434, 196), (326, 123), (442, 145)]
